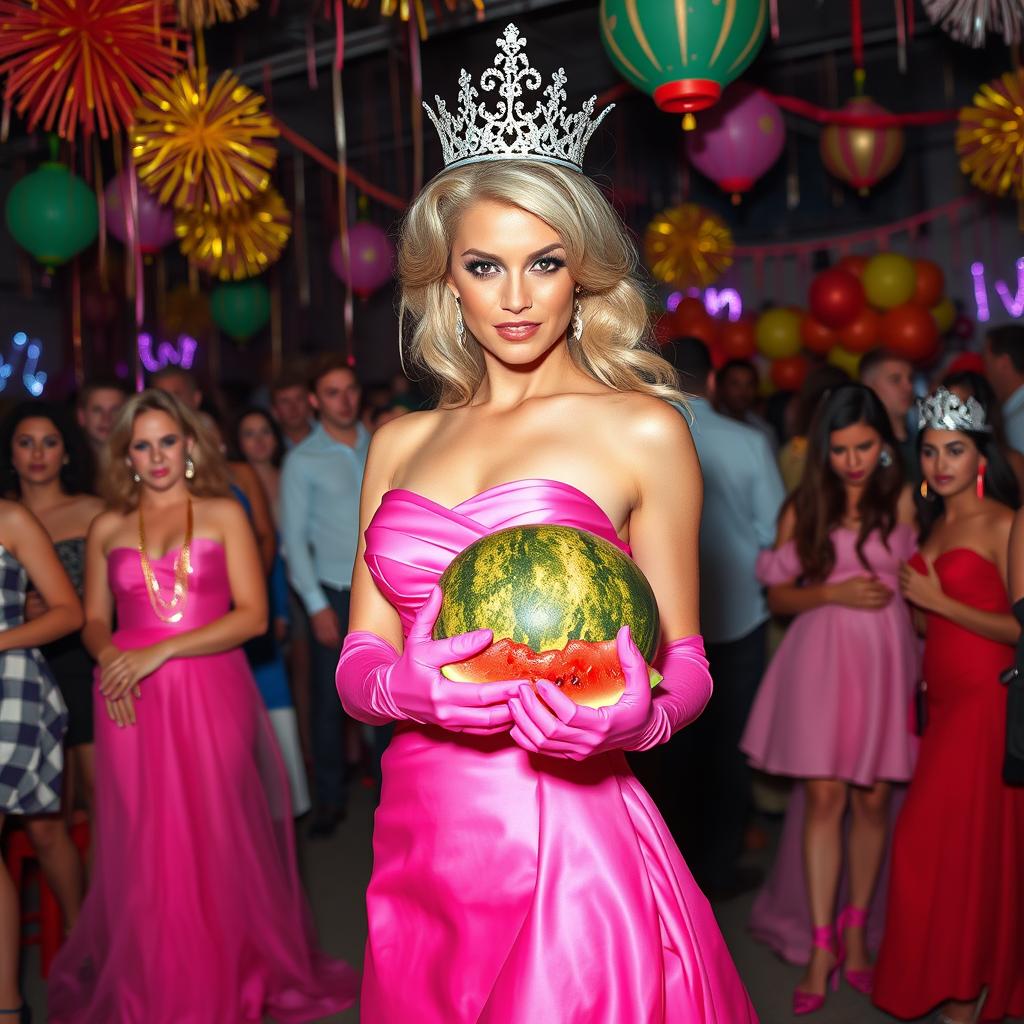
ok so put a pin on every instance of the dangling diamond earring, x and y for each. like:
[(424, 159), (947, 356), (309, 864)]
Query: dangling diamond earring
[(136, 478), (190, 468), (885, 459), (576, 327), (460, 324)]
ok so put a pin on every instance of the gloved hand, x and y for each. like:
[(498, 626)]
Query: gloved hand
[(377, 685), (639, 720)]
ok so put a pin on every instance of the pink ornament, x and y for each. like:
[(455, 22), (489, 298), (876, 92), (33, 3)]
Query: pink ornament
[(371, 258), (738, 140), (156, 222)]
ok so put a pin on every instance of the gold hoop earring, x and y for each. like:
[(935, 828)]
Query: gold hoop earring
[(460, 324), (190, 468)]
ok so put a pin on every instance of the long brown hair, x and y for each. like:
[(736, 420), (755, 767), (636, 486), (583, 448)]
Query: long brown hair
[(820, 500), (119, 487)]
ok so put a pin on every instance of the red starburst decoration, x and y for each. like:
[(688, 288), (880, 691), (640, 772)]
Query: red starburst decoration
[(85, 62)]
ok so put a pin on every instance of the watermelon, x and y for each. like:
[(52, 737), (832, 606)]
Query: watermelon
[(588, 673), (555, 597)]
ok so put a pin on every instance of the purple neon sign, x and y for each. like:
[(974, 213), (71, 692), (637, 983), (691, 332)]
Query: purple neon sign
[(716, 300), (182, 354)]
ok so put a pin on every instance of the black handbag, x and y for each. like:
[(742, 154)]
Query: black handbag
[(1013, 763)]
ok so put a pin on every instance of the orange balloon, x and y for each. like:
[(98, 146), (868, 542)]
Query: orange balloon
[(854, 263), (911, 331), (930, 284), (788, 374), (738, 339), (862, 334), (817, 337)]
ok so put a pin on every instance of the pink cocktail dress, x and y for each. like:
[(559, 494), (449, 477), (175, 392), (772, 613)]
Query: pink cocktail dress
[(195, 913), (510, 888)]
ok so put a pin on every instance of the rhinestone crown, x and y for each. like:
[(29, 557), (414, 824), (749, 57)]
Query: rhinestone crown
[(945, 411), (548, 133)]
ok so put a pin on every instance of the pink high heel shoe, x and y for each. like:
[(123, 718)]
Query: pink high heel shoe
[(854, 917), (811, 1002)]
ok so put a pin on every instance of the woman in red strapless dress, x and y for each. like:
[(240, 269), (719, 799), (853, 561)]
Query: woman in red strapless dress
[(955, 926)]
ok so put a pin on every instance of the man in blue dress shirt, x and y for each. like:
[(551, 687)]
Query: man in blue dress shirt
[(320, 486), (743, 493)]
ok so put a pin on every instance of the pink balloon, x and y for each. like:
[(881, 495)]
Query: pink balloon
[(372, 258), (738, 140), (156, 222)]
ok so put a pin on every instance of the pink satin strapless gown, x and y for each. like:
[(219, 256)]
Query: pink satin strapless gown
[(513, 889), (195, 913)]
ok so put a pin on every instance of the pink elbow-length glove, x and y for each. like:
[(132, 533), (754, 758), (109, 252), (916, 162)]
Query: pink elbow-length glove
[(378, 685), (641, 718)]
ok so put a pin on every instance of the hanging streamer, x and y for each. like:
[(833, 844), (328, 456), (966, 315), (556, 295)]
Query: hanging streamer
[(299, 242), (416, 80), (133, 265), (276, 333), (901, 35), (857, 34), (76, 322), (346, 252), (773, 14)]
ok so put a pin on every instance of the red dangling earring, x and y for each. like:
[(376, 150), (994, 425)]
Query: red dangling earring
[(981, 481)]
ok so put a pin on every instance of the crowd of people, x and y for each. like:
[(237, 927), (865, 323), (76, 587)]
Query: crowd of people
[(884, 519), (78, 479)]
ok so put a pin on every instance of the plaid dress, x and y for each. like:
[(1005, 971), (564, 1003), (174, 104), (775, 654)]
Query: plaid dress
[(32, 713)]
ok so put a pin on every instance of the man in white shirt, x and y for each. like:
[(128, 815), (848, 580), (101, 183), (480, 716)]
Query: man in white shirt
[(743, 493), (1003, 353)]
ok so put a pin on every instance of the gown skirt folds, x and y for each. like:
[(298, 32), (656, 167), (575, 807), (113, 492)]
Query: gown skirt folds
[(955, 919), (835, 701), (195, 913), (510, 888)]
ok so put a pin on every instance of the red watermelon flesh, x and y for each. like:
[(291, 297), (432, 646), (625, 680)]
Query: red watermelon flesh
[(588, 673)]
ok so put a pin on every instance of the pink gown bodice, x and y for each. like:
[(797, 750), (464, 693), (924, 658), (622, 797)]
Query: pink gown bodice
[(510, 888)]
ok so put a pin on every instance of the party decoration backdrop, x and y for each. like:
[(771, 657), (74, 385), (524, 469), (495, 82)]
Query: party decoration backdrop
[(85, 62), (688, 246), (861, 157), (682, 54), (990, 137), (197, 145)]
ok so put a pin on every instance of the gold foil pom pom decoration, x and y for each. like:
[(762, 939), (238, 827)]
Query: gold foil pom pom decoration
[(240, 242), (203, 13), (199, 146), (990, 137), (688, 246)]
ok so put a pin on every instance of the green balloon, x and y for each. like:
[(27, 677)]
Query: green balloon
[(684, 54), (240, 309), (52, 213)]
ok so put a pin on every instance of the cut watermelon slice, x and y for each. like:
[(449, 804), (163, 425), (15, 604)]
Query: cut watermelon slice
[(588, 673)]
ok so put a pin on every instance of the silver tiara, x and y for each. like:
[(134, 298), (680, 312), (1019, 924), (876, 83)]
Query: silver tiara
[(944, 411), (549, 133)]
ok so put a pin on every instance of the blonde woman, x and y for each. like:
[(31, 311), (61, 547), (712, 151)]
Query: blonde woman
[(520, 871), (195, 912)]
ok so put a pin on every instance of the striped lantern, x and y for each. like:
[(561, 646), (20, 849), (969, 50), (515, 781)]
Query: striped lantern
[(682, 53), (861, 157)]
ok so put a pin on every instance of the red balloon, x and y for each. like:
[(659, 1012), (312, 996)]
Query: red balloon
[(854, 263), (862, 334), (930, 284), (910, 330), (817, 337), (689, 309), (788, 374), (738, 339), (706, 330), (837, 296)]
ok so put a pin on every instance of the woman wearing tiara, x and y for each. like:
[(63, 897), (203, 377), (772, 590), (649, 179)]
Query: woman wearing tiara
[(954, 934), (520, 872), (195, 913)]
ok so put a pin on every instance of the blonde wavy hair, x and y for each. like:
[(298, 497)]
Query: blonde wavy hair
[(615, 348), (118, 485)]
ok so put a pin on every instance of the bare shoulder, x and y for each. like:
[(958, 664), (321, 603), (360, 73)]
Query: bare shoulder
[(14, 517), (637, 419), (394, 441), (999, 518), (105, 527), (220, 515)]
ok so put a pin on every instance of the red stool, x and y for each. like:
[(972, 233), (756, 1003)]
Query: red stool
[(43, 927)]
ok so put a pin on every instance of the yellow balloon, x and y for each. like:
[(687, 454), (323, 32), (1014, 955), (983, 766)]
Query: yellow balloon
[(889, 280), (778, 333), (944, 315), (846, 360)]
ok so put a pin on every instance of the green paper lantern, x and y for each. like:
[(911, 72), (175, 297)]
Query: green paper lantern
[(683, 52), (240, 309), (52, 213)]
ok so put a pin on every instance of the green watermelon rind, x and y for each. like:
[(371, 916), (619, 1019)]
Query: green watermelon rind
[(504, 580)]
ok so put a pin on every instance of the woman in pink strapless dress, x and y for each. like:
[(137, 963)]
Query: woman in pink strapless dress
[(833, 709), (521, 874), (195, 913)]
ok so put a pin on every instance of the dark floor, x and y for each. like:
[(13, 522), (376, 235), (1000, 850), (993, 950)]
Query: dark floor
[(337, 872)]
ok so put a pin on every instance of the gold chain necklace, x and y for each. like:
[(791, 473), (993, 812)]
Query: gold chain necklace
[(172, 610)]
